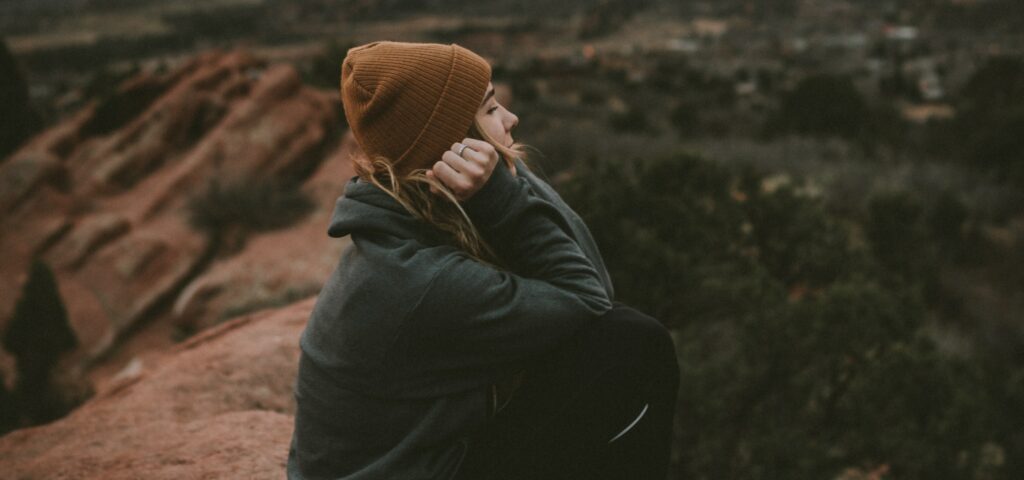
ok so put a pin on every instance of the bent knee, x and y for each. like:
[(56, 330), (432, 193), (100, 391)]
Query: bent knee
[(642, 337)]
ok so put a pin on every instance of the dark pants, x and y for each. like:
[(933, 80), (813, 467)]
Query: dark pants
[(617, 374)]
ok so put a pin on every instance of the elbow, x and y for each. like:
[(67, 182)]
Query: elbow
[(596, 298)]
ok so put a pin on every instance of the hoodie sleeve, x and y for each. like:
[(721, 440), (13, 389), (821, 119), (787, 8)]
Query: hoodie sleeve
[(475, 316)]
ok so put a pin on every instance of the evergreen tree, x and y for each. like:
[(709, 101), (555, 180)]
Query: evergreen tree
[(20, 119), (8, 409), (37, 335)]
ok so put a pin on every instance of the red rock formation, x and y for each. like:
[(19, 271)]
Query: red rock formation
[(275, 267), (102, 197), (219, 405)]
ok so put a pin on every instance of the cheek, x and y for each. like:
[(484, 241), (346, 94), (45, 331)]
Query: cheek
[(493, 126)]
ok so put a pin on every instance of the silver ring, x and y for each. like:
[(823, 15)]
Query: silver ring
[(462, 149)]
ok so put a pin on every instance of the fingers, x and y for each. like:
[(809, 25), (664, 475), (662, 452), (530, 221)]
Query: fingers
[(476, 150), (466, 154), (457, 148), (479, 145), (470, 167), (459, 184), (465, 174), (430, 175)]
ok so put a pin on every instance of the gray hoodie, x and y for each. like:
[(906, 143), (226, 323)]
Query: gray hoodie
[(409, 332)]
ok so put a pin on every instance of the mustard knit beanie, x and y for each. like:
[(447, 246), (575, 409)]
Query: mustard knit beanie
[(411, 101)]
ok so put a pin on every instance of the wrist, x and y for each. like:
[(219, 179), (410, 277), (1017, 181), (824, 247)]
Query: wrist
[(493, 197)]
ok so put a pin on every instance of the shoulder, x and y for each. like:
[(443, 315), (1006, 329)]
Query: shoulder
[(397, 260)]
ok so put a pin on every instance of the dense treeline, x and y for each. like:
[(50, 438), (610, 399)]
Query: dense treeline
[(802, 353)]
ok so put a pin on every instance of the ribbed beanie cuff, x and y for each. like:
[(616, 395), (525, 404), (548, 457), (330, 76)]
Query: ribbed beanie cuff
[(411, 101)]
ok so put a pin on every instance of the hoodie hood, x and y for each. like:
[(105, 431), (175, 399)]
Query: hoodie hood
[(365, 208)]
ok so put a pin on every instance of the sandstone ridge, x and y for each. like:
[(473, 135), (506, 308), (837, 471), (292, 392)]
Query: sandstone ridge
[(219, 405)]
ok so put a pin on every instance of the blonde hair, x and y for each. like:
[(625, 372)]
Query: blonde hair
[(412, 191)]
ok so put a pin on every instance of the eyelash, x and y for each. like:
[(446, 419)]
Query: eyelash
[(492, 109)]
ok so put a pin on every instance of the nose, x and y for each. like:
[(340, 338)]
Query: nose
[(514, 122)]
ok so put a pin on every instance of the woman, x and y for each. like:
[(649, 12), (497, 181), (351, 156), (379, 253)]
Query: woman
[(469, 331)]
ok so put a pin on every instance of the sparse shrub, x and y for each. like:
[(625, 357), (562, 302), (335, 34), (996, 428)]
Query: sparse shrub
[(633, 120), (561, 141), (669, 75), (898, 85), (985, 133), (996, 144), (897, 231), (325, 70), (797, 241), (686, 119), (247, 205), (822, 105), (997, 85), (618, 76), (523, 89), (591, 95), (945, 220), (607, 16)]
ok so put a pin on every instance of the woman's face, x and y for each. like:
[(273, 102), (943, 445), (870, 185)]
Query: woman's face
[(495, 119)]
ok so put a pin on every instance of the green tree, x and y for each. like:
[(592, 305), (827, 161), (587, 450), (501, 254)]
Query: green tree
[(998, 84), (946, 219), (686, 119), (8, 409), (990, 116), (37, 335), (825, 105), (633, 120), (325, 69), (20, 120), (898, 232), (822, 105)]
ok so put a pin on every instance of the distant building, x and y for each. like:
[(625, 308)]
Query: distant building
[(901, 33), (927, 112)]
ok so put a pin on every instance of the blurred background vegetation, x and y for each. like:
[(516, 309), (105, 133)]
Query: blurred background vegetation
[(823, 200)]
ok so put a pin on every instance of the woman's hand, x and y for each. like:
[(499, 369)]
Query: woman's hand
[(465, 174)]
